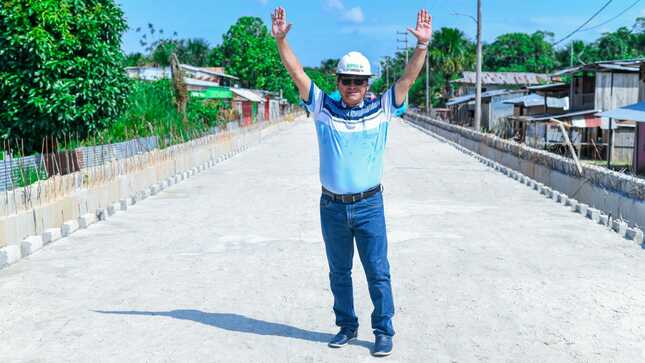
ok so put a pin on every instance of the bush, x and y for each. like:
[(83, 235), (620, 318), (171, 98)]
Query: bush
[(61, 70), (151, 112)]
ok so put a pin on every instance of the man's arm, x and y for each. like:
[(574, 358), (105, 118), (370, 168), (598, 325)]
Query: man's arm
[(279, 29), (422, 32)]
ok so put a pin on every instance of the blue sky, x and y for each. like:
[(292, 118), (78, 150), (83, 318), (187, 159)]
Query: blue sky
[(329, 28)]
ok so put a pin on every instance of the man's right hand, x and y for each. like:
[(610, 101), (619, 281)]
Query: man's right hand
[(279, 26)]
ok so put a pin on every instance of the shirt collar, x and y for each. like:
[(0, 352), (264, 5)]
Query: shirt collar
[(360, 105)]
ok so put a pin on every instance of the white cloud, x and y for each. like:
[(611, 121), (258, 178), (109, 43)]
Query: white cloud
[(263, 2), (354, 15), (335, 4)]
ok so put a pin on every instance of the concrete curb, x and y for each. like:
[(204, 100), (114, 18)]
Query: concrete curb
[(15, 251), (620, 227)]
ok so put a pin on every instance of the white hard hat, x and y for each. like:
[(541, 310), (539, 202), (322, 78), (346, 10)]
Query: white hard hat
[(354, 63)]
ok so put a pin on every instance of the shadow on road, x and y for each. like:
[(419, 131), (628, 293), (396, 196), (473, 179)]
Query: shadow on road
[(240, 323)]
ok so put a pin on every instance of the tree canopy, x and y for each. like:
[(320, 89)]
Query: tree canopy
[(520, 52), (249, 52), (62, 68)]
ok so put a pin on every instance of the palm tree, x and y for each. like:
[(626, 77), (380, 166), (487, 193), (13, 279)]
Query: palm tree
[(451, 53)]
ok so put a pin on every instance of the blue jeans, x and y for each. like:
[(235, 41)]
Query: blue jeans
[(364, 221)]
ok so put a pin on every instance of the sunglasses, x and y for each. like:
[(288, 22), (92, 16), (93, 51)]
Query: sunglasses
[(356, 81)]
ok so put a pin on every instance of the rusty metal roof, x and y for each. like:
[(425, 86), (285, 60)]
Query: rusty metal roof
[(505, 78), (625, 66)]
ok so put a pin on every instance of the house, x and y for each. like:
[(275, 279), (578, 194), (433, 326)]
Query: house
[(530, 105), (462, 109), (594, 88), (634, 113), (246, 102), (492, 81), (215, 75)]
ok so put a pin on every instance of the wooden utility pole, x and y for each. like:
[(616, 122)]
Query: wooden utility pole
[(478, 75), (428, 83), (404, 41)]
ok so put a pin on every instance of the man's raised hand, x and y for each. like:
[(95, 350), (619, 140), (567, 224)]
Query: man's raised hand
[(423, 30), (279, 26)]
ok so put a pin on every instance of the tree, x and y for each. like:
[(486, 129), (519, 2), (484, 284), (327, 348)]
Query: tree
[(249, 52), (617, 45), (195, 52), (520, 52), (62, 68), (450, 54)]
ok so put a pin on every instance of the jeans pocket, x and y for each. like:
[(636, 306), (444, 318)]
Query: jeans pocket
[(373, 202), (325, 201)]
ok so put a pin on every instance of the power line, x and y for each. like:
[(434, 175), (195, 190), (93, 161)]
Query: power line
[(585, 23), (612, 19)]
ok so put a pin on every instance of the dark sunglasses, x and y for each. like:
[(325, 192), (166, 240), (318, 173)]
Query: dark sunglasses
[(356, 81)]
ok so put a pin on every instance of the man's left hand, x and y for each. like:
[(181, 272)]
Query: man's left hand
[(423, 30)]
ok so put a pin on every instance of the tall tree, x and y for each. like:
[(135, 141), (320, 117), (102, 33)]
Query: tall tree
[(249, 52), (521, 52), (451, 53)]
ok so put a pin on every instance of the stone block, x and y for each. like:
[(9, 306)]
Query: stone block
[(582, 209), (86, 220), (10, 254), (593, 214), (30, 245), (604, 219), (573, 205), (619, 227), (51, 234), (69, 227)]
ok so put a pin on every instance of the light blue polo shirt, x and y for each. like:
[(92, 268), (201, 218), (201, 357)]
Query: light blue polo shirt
[(351, 141)]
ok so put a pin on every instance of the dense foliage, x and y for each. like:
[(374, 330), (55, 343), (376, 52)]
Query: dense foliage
[(249, 52), (62, 68)]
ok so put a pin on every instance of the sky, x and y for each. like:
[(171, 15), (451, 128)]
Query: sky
[(330, 28)]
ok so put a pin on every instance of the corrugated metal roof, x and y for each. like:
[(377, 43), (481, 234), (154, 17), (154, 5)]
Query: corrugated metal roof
[(199, 82), (248, 94), (549, 86), (533, 100), (206, 70), (505, 78), (633, 112), (470, 97), (628, 65)]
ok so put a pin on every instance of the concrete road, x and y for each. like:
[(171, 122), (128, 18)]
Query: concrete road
[(229, 267)]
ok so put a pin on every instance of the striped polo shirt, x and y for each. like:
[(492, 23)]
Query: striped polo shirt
[(351, 140)]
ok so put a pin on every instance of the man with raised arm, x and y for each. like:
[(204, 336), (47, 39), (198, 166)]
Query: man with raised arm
[(351, 138)]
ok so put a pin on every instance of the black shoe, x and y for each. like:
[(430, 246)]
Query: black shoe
[(342, 338), (382, 346)]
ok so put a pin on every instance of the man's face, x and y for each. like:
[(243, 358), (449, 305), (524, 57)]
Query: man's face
[(352, 89)]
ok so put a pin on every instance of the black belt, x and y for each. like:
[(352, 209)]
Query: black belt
[(352, 198)]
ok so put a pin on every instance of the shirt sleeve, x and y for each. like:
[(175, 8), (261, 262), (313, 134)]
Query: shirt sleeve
[(388, 102), (315, 99)]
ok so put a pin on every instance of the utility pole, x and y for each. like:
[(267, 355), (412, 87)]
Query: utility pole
[(478, 76), (387, 73), (404, 41), (428, 83)]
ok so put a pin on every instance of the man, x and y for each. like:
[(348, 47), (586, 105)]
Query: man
[(351, 137)]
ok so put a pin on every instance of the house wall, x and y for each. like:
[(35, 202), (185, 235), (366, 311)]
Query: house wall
[(623, 146), (625, 90)]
